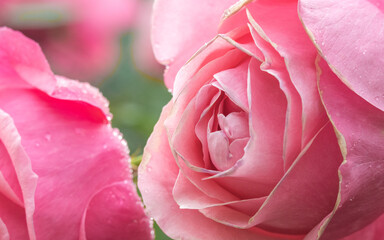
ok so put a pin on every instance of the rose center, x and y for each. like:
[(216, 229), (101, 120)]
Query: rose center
[(228, 136)]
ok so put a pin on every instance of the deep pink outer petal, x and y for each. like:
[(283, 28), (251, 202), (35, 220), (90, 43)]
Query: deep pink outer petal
[(361, 139), (60, 155), (180, 28), (20, 161), (116, 213), (29, 67), (349, 35), (12, 222)]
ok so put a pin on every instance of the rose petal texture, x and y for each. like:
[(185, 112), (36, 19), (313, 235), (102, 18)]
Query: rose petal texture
[(261, 139), (79, 37), (174, 28), (64, 172), (356, 62)]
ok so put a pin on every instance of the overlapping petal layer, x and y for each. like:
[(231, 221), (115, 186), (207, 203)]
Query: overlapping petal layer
[(57, 151)]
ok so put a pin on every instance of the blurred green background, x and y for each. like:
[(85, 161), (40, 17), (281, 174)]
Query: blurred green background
[(136, 101)]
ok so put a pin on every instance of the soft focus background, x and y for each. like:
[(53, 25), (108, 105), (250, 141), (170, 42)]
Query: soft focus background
[(136, 100), (107, 44)]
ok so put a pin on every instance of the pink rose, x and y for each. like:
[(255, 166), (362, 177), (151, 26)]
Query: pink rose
[(248, 148), (80, 37), (64, 172)]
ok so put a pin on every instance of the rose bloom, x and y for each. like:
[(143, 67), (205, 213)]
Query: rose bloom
[(79, 37), (275, 129), (65, 172)]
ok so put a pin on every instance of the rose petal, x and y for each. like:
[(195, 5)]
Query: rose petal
[(112, 213), (235, 90), (355, 55), (374, 231), (30, 68), (262, 161), (215, 56), (67, 89), (292, 43), (12, 223), (63, 120), (179, 31), (310, 185), (9, 136), (156, 183), (218, 145), (235, 125), (361, 139), (274, 65)]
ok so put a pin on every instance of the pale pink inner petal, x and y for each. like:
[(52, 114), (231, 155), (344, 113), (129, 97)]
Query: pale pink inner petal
[(201, 126), (218, 145), (293, 44), (232, 82), (236, 149), (235, 125), (274, 65), (156, 183), (263, 157)]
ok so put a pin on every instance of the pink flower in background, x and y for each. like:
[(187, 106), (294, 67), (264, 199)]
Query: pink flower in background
[(275, 129), (143, 55), (79, 37), (64, 172)]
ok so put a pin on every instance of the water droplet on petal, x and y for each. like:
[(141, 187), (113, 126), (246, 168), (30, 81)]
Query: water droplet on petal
[(48, 137)]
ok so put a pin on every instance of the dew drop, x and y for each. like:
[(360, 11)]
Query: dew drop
[(37, 144), (48, 137), (115, 132), (105, 146)]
